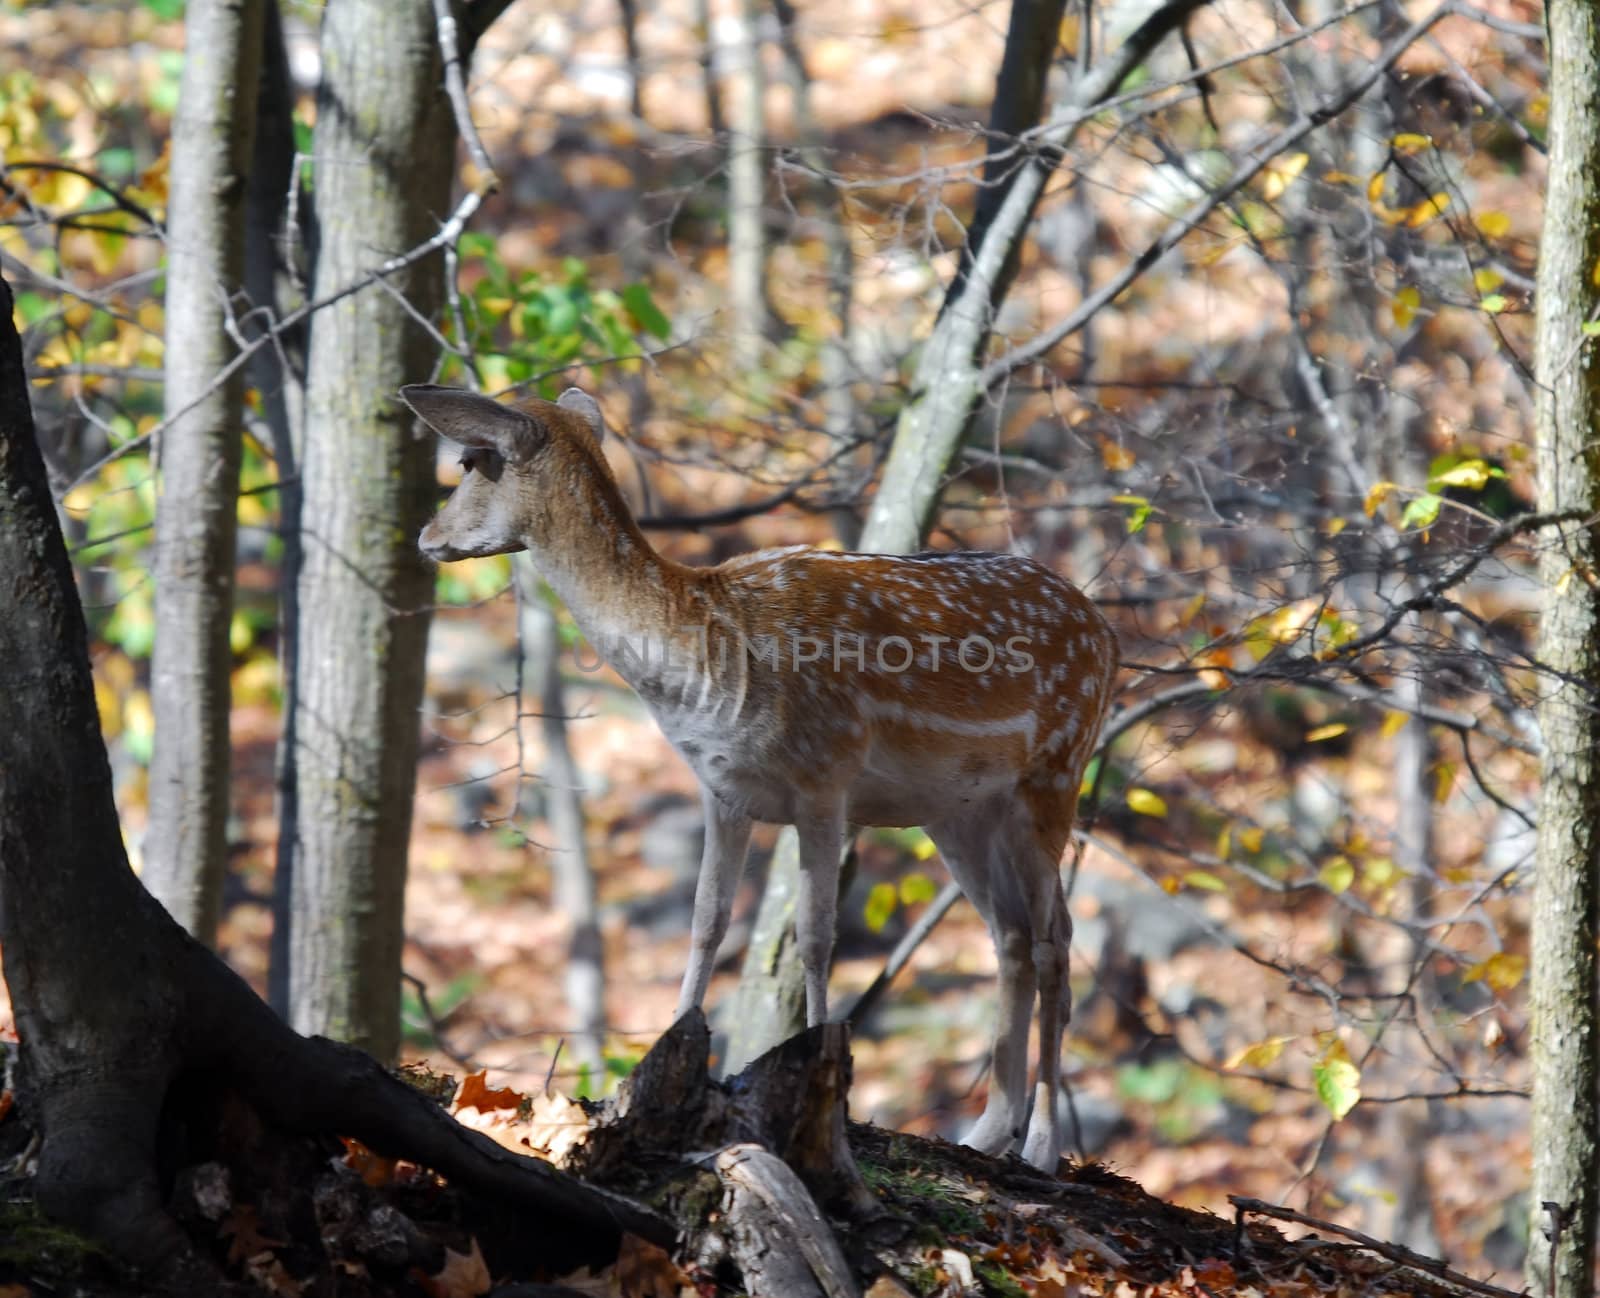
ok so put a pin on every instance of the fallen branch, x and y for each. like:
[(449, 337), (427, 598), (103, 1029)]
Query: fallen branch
[(1394, 1252)]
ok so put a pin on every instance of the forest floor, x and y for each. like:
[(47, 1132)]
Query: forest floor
[(312, 1218)]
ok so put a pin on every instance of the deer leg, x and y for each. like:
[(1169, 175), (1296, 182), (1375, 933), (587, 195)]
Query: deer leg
[(821, 846), (976, 863), (727, 843), (1042, 1148)]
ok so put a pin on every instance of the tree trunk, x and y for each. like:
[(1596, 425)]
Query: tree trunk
[(747, 188), (570, 867), (198, 454), (278, 371), (114, 1002), (385, 148), (1566, 897)]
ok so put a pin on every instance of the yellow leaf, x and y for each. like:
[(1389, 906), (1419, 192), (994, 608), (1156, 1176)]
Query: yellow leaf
[(1377, 493), (1283, 173), (1444, 780), (1405, 304), (1492, 225), (1336, 525), (1330, 731), (1487, 280), (105, 702), (1426, 210), (1170, 886), (1410, 142), (1337, 874), (923, 849), (1225, 842), (1375, 188), (1192, 608), (1394, 721), (1258, 1054), (917, 887), (1251, 839), (1340, 178), (880, 905), (1204, 881), (1380, 871), (1473, 474), (1502, 971), (1146, 803)]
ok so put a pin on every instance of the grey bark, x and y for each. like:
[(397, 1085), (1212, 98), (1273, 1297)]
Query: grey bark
[(838, 370), (1566, 897), (708, 66), (278, 372), (570, 865), (385, 148), (113, 1000), (769, 1004), (212, 137), (747, 184)]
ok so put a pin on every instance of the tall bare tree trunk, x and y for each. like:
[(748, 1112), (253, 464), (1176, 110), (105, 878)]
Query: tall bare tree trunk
[(385, 148), (212, 137), (747, 187), (1566, 895), (278, 371), (576, 895)]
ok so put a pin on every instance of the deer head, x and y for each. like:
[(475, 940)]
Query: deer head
[(513, 456)]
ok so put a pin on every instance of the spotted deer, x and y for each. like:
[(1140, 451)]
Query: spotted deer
[(961, 692)]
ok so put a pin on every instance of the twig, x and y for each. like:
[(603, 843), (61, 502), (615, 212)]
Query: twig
[(1180, 229), (1394, 1252)]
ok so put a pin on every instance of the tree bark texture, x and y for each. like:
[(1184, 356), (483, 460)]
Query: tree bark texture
[(90, 1062), (747, 191), (185, 847), (278, 371), (1566, 898), (385, 147), (114, 1001)]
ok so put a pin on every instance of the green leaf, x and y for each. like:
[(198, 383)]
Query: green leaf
[(642, 307), (1591, 328), (1338, 1082), (1494, 303), (1422, 511), (880, 905)]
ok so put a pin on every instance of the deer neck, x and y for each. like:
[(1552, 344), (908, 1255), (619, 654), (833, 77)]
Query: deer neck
[(586, 544)]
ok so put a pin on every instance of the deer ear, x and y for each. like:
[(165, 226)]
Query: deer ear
[(581, 403), (472, 419)]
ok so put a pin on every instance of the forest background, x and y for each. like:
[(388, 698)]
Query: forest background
[(1262, 384)]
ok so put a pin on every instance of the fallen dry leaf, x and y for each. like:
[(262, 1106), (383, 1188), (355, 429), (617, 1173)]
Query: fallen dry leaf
[(475, 1093), (464, 1275), (645, 1270), (374, 1169), (556, 1127), (268, 1272), (243, 1233)]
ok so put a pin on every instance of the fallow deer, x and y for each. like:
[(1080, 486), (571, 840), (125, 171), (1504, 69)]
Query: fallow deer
[(962, 692)]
